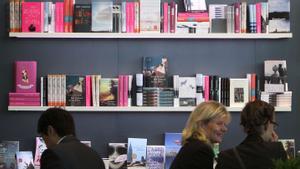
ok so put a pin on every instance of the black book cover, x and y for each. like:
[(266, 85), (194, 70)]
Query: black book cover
[(82, 17)]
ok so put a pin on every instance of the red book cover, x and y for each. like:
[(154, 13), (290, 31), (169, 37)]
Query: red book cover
[(258, 17), (125, 90), (25, 76), (31, 16), (165, 16), (237, 17), (121, 91)]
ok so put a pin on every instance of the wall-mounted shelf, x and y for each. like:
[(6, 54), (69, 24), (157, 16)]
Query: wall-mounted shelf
[(153, 35), (128, 109)]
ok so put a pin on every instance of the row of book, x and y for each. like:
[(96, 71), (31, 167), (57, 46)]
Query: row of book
[(152, 87), (148, 16), (135, 153)]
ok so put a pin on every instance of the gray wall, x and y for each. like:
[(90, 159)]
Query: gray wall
[(231, 58)]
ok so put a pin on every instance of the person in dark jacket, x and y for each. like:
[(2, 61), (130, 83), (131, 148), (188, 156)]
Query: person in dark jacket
[(64, 150), (260, 148), (206, 125)]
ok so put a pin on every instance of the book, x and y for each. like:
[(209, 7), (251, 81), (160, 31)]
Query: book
[(172, 146), (109, 92), (117, 155), (279, 16), (82, 17), (150, 15), (275, 72), (31, 16), (102, 16), (24, 160), (25, 76), (155, 71), (136, 153), (8, 151), (75, 90), (40, 147), (155, 157), (239, 92), (187, 91), (289, 147)]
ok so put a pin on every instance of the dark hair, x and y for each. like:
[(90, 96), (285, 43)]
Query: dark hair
[(255, 115), (60, 119)]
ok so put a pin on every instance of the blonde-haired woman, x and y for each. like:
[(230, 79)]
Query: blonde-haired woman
[(206, 125)]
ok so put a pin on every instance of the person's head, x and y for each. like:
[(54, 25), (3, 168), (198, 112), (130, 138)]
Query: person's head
[(258, 117), (55, 123), (208, 122)]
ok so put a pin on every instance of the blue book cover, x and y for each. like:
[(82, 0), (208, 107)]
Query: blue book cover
[(136, 153), (8, 151), (173, 145)]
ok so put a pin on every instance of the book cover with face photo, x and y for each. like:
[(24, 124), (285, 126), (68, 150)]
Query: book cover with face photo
[(275, 76), (117, 155)]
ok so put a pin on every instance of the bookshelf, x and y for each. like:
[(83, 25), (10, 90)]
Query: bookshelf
[(91, 35), (129, 109)]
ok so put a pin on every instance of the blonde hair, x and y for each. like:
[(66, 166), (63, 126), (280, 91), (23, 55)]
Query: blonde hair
[(202, 114)]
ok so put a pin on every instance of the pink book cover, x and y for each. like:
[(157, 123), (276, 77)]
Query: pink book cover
[(25, 95), (165, 7), (128, 17), (24, 99), (31, 16), (88, 90), (23, 103), (132, 17), (25, 76), (237, 18), (125, 90), (206, 88), (258, 17), (59, 21), (193, 14), (121, 91)]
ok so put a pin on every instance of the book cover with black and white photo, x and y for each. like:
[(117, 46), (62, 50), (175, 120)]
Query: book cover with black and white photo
[(275, 76), (279, 16)]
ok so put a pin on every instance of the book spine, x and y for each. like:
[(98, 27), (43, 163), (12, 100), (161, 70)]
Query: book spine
[(121, 91), (165, 16), (237, 17), (88, 90), (139, 89), (125, 90), (176, 90), (199, 89), (130, 90), (258, 17)]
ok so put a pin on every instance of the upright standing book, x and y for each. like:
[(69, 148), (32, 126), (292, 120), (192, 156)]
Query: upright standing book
[(136, 154), (8, 151), (24, 160), (117, 155), (40, 147), (25, 76)]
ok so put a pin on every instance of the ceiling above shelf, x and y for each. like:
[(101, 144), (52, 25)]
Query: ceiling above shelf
[(153, 35)]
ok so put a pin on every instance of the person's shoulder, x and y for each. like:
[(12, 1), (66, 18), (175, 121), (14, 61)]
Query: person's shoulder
[(195, 145)]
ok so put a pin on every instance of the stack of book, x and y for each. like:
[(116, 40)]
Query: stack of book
[(25, 85), (276, 85)]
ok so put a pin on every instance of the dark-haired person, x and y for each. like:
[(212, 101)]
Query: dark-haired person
[(64, 150), (206, 125), (260, 147)]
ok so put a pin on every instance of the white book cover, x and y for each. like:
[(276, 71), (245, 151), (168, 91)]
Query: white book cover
[(40, 147), (155, 157), (150, 16), (102, 16), (24, 160), (239, 92), (279, 16)]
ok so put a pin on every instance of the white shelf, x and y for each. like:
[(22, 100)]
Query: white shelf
[(153, 35), (128, 109)]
